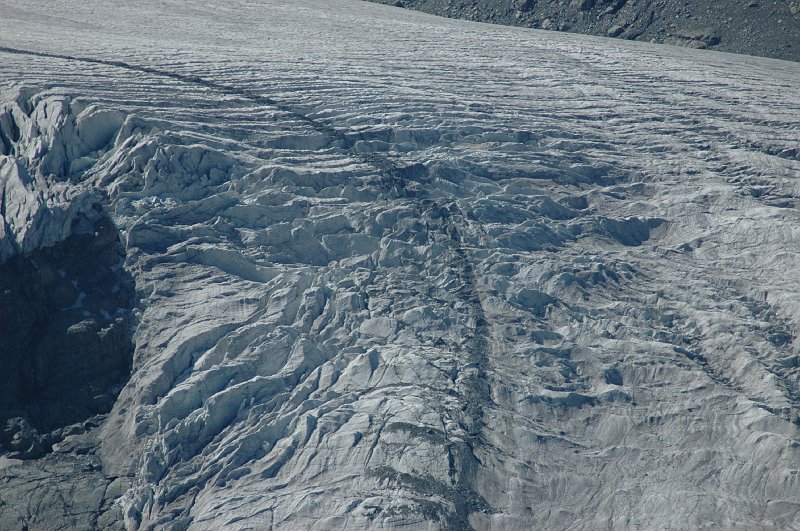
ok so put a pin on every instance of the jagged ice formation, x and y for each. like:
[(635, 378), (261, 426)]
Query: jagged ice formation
[(392, 270)]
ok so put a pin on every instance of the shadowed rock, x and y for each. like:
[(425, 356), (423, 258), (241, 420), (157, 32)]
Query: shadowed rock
[(66, 344)]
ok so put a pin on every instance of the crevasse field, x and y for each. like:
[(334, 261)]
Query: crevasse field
[(396, 271)]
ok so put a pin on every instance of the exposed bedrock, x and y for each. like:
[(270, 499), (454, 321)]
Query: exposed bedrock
[(66, 345), (66, 320)]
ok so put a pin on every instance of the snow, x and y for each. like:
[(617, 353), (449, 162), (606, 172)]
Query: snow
[(401, 270)]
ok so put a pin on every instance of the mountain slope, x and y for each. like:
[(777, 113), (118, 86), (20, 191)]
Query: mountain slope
[(769, 29), (491, 277)]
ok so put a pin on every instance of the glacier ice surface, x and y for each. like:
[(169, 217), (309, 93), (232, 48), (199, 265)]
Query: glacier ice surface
[(393, 270)]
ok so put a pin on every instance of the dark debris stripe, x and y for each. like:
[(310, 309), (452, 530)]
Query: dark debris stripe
[(394, 180)]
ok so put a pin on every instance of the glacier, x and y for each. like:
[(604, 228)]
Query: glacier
[(384, 270)]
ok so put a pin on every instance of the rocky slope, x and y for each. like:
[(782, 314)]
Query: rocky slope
[(769, 29), (489, 278)]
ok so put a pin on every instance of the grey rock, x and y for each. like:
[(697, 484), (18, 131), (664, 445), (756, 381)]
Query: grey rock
[(616, 30), (582, 5)]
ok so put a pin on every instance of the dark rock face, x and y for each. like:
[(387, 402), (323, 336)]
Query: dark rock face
[(769, 29), (65, 346)]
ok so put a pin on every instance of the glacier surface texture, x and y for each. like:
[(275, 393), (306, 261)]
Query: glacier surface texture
[(332, 265)]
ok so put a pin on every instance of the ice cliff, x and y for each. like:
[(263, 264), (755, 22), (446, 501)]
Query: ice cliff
[(360, 268)]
